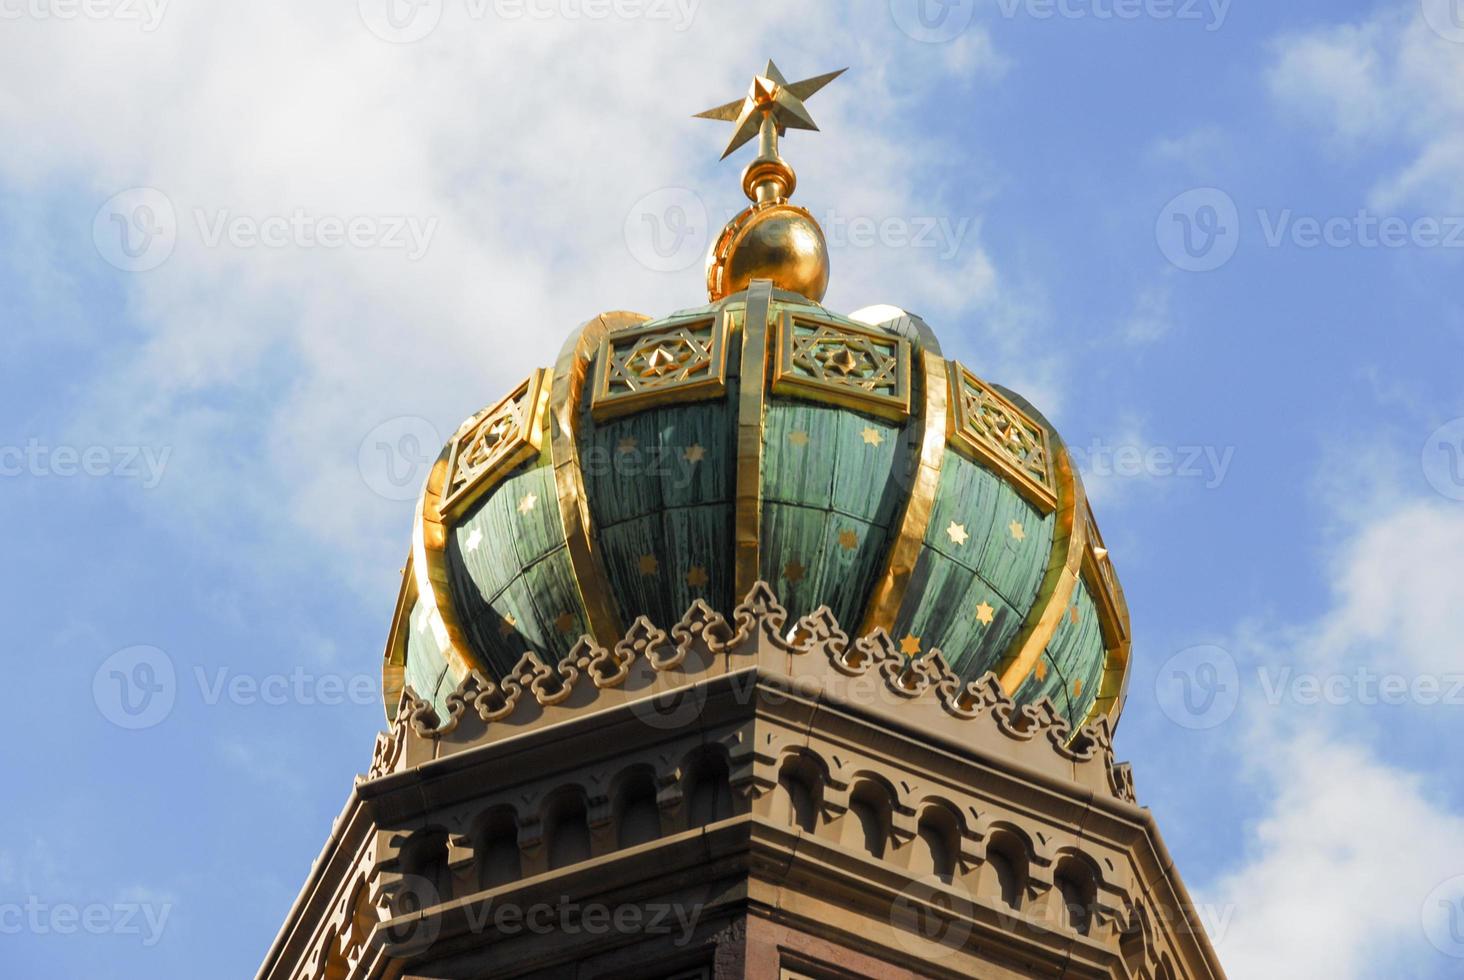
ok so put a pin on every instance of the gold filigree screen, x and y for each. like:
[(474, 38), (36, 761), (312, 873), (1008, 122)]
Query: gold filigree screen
[(867, 370), (638, 368), (1003, 436), (493, 443)]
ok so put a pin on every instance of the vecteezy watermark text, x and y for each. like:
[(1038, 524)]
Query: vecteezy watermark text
[(137, 687), (1201, 230), (405, 21), (146, 464), (1207, 463), (1200, 687), (1211, 13), (137, 229), (148, 14), (669, 230), (40, 918)]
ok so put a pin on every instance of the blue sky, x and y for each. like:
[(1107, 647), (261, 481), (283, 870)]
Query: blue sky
[(189, 432)]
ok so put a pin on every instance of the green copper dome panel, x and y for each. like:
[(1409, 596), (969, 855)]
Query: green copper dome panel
[(1072, 664), (980, 522), (954, 604), (660, 485), (659, 565), (983, 557), (830, 496), (426, 669), (511, 581)]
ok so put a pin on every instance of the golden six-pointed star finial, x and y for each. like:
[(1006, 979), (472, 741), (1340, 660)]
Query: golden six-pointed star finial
[(771, 97)]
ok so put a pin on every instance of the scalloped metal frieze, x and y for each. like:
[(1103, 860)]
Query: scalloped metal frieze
[(638, 368), (493, 443), (1000, 434), (867, 370)]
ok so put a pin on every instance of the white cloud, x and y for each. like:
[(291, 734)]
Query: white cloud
[(1340, 866), (527, 141), (1350, 845), (1389, 81)]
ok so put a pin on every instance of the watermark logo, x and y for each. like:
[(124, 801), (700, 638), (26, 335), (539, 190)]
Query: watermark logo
[(667, 230), (407, 233), (1443, 459), (395, 456), (135, 687), (933, 21), (1363, 686), (673, 710), (1199, 687), (1443, 917), (400, 21), (138, 687), (931, 911), (1446, 18), (1199, 230), (136, 229)]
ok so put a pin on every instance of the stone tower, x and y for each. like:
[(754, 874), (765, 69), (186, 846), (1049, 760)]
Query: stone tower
[(751, 641)]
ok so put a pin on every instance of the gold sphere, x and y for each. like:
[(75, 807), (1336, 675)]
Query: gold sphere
[(777, 241)]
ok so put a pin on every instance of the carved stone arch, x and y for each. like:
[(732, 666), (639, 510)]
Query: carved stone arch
[(497, 852), (867, 823), (1077, 881), (635, 811), (424, 864), (707, 784), (939, 845), (1005, 873), (564, 816), (802, 782)]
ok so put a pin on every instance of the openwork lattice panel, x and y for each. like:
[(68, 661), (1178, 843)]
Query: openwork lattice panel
[(1001, 435), (866, 370), (653, 365), (493, 443)]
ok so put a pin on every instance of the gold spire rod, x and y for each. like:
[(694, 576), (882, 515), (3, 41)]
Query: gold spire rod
[(773, 105)]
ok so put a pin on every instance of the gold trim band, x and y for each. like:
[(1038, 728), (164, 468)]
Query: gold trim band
[(570, 372), (904, 552), (394, 659), (750, 400), (429, 567), (1069, 541), (1113, 617)]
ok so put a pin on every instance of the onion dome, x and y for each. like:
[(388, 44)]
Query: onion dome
[(762, 437)]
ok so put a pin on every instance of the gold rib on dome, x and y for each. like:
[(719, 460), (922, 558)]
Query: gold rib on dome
[(889, 590), (570, 373)]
